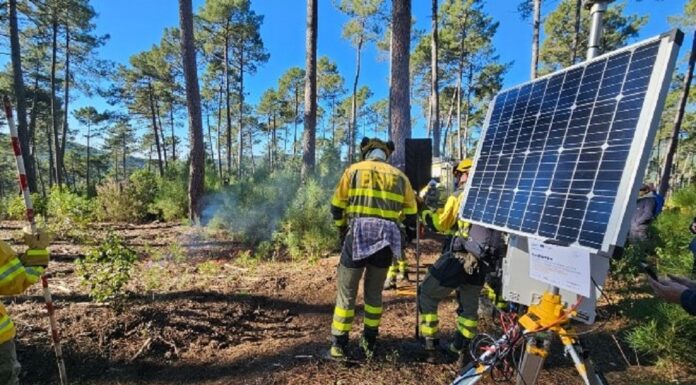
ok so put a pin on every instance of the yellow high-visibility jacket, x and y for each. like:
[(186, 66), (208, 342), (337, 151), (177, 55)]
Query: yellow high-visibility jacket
[(373, 188), (14, 279), (446, 220)]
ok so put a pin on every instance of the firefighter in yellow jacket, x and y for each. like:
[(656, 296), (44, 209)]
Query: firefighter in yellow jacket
[(462, 267), (17, 273), (371, 198)]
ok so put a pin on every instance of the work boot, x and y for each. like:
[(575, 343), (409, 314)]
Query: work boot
[(368, 343), (431, 346), (339, 345), (460, 347)]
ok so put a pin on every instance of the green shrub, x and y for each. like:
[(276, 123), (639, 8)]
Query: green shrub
[(307, 229), (68, 214), (127, 201), (665, 333), (107, 269), (171, 202)]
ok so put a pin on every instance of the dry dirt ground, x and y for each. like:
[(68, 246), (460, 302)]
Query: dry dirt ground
[(199, 314)]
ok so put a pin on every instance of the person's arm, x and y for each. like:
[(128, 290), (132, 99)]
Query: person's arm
[(17, 275), (688, 301), (339, 201), (645, 211), (410, 210)]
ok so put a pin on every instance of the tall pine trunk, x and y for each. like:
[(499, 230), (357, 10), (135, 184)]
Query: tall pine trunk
[(193, 103), (57, 165), (171, 120), (310, 115), (674, 140), (227, 99), (155, 131), (240, 145), (163, 137), (66, 96), (18, 83), (399, 97), (219, 130), (434, 91), (352, 127)]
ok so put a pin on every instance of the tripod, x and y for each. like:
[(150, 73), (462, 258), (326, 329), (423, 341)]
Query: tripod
[(537, 326)]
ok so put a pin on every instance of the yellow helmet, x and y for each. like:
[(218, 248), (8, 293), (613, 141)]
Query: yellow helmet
[(464, 165)]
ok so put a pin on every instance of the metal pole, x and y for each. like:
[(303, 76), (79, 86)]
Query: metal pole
[(24, 186), (597, 9), (417, 275)]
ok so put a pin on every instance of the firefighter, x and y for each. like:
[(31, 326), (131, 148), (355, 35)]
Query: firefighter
[(17, 273), (371, 199), (468, 255)]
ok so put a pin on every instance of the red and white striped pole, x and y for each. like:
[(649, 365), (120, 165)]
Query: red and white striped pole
[(24, 185)]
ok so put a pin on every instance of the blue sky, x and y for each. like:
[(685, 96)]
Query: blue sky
[(135, 26)]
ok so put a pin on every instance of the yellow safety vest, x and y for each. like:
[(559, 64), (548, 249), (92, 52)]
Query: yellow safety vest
[(374, 189), (14, 279)]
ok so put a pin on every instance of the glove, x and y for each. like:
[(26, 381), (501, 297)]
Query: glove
[(35, 258), (40, 239)]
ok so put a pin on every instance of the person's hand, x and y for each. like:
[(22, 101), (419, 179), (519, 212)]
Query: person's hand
[(38, 239), (683, 281), (670, 290)]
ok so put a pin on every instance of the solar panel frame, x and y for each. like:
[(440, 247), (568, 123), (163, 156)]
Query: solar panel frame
[(638, 151)]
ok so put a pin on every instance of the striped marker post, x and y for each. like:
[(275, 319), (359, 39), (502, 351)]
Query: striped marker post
[(24, 185)]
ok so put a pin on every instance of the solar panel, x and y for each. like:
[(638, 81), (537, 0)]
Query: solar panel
[(561, 157)]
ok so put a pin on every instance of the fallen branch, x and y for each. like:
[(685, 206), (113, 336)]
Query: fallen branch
[(140, 351), (621, 350)]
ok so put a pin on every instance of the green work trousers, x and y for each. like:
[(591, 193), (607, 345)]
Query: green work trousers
[(431, 293), (9, 366), (348, 282)]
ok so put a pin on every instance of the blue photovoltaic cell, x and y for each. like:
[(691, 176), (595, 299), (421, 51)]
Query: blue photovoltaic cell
[(555, 149)]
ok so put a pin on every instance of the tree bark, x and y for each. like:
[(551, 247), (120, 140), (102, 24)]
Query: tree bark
[(576, 32), (193, 103), (467, 113), (227, 99), (399, 97), (460, 70), (297, 114), (18, 83), (163, 137), (66, 96), (89, 136), (434, 88), (155, 130), (674, 140), (310, 114), (354, 104), (171, 120), (219, 130), (58, 168), (240, 145), (535, 37)]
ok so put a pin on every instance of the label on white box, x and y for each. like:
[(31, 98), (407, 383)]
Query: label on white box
[(564, 267)]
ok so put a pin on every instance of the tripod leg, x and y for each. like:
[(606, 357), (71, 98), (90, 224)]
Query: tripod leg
[(536, 351)]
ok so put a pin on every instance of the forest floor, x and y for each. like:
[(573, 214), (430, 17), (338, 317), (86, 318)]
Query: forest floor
[(199, 313)]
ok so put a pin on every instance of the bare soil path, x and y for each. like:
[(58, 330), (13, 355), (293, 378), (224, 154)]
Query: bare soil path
[(197, 314)]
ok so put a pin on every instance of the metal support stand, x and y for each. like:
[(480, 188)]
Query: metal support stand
[(418, 224), (597, 9)]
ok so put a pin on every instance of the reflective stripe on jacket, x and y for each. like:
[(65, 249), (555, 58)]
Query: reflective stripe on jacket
[(14, 279), (373, 189)]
